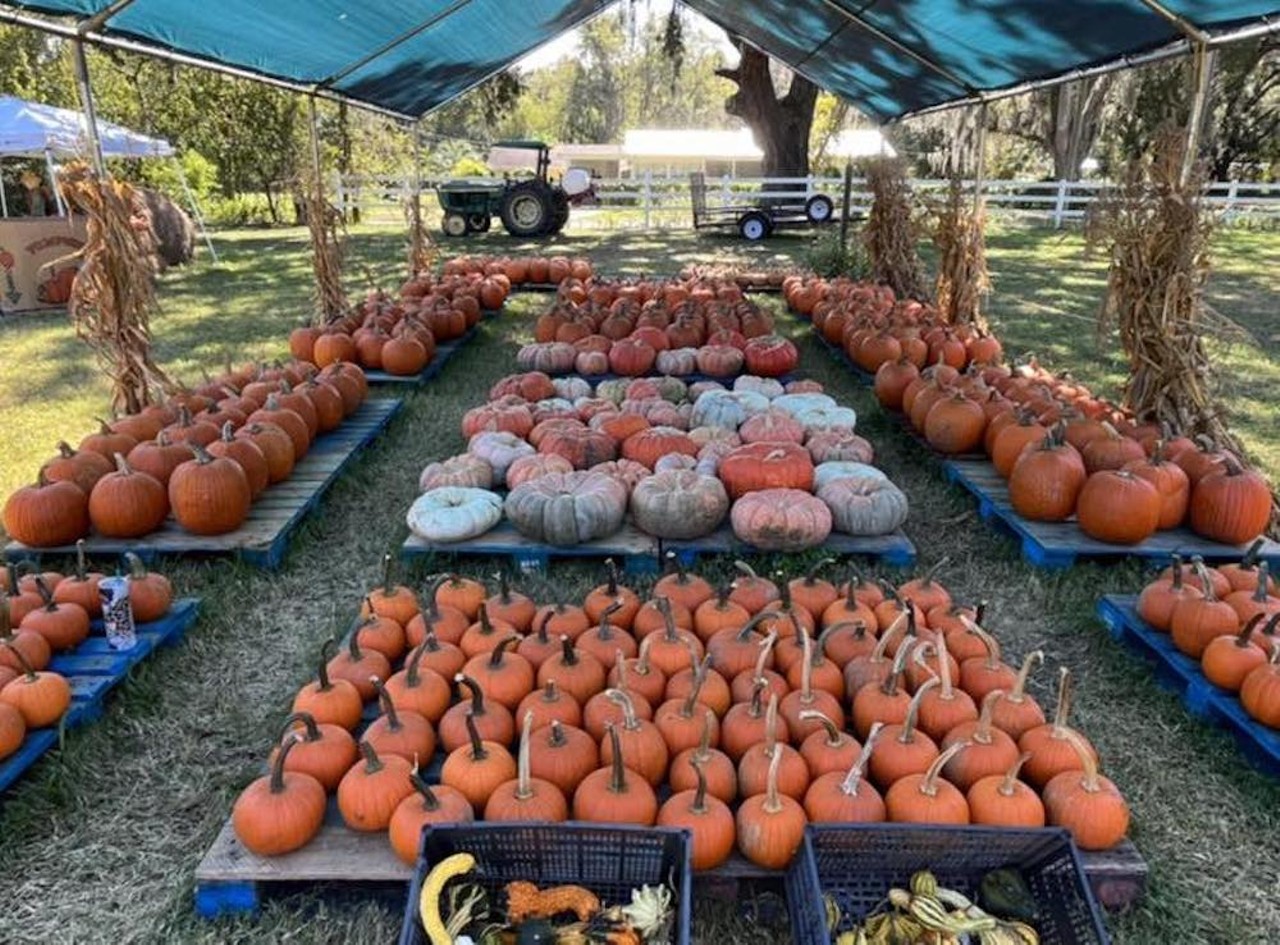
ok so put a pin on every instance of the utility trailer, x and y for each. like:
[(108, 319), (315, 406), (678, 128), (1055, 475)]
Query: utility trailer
[(757, 221)]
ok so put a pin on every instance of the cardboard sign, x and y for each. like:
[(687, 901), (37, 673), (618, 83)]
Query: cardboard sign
[(34, 271)]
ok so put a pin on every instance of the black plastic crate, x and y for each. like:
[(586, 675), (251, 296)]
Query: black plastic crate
[(858, 863), (610, 860)]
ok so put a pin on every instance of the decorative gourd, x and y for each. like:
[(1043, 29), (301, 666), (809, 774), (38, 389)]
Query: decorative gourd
[(493, 720), (1001, 800), (1195, 622), (706, 817), (476, 769), (616, 793), (281, 812), (679, 504), (840, 796), (1087, 804), (372, 789), (323, 750), (429, 805), (770, 826), (330, 701), (1049, 745), (781, 520)]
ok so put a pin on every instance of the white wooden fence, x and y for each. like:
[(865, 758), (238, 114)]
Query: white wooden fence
[(652, 201)]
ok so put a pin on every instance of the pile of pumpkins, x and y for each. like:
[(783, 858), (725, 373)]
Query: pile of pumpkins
[(46, 613), (1226, 618), (761, 279), (522, 270), (740, 713), (1067, 454), (782, 462), (674, 327), (201, 456), (399, 333)]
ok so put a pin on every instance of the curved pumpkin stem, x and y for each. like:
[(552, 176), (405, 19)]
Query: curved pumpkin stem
[(772, 803), (756, 707), (1063, 710), (1090, 781), (746, 569), (388, 707), (1018, 694), (1206, 582), (606, 628), (699, 805), (1011, 776), (699, 678), (811, 576), (372, 763), (618, 770), (311, 731), (835, 738), (541, 630), (990, 643), (982, 734), (907, 736), (766, 647), (1244, 638), (327, 651), (429, 800), (929, 786), (433, 606), (669, 629), (890, 685), (277, 783), (629, 720), (23, 662), (478, 751), (851, 780), (524, 785), (477, 694)]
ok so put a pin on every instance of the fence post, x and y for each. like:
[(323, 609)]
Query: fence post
[(1060, 205), (726, 190), (1231, 199), (808, 187), (648, 194)]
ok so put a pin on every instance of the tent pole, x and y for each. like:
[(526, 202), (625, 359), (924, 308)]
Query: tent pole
[(980, 160), (315, 140), (4, 201), (86, 102), (1203, 77), (53, 183), (195, 207)]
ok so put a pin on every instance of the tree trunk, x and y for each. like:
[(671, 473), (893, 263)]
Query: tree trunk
[(1073, 120), (781, 123)]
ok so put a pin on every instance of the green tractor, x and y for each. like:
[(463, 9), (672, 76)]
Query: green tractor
[(527, 206)]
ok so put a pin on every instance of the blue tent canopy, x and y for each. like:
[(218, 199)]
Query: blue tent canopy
[(890, 58)]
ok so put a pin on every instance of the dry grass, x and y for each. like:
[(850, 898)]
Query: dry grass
[(891, 233), (421, 250), (325, 225), (958, 230)]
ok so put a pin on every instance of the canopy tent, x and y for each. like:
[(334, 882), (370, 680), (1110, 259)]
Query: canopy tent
[(30, 129), (891, 58)]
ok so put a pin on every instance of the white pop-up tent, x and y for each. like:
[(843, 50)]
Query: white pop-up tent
[(33, 129)]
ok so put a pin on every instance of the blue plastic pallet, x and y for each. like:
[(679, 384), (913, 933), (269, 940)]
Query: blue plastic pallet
[(635, 552), (444, 352), (895, 549), (273, 518), (1057, 545), (93, 669), (1181, 674)]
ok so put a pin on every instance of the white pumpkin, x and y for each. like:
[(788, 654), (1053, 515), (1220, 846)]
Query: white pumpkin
[(677, 362), (727, 409), (795, 403), (550, 357), (844, 469), (500, 450), (815, 419), (864, 506), (466, 470), (454, 513), (766, 386), (571, 388)]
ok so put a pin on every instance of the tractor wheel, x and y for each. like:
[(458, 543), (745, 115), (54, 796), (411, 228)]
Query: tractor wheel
[(454, 224), (527, 209), (477, 223), (560, 204)]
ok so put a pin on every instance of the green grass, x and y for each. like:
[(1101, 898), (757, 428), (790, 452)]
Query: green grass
[(100, 840)]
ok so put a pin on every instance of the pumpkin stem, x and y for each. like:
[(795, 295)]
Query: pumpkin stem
[(929, 786), (811, 576), (504, 587), (771, 726), (640, 665), (722, 595), (372, 763), (1090, 781), (386, 575), (605, 632), (1206, 583), (228, 432), (1064, 703), (907, 736), (699, 805), (766, 647), (46, 595), (751, 625), (556, 739), (618, 776), (1245, 636), (932, 573), (1176, 583), (309, 724), (478, 751), (412, 676), (980, 612), (201, 454), (772, 803), (541, 631), (1018, 694), (433, 606), (388, 707), (1250, 559), (568, 655), (486, 625), (784, 593), (854, 778), (890, 685), (277, 784), (806, 668), (703, 751), (623, 700), (327, 650), (746, 569), (989, 643), (851, 590), (1267, 631), (1261, 591), (669, 629), (122, 466), (699, 677), (524, 785), (834, 737), (22, 660), (1011, 776), (498, 658), (877, 654), (756, 709), (429, 800), (611, 586), (550, 692), (137, 570), (982, 734), (673, 562), (81, 566), (477, 694)]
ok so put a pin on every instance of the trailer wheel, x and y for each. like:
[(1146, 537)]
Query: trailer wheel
[(478, 223), (754, 225), (819, 208), (527, 209), (454, 224)]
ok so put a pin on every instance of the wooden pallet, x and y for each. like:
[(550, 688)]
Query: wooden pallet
[(632, 549), (895, 550), (1181, 674), (444, 352), (93, 669), (230, 880), (1057, 545), (264, 537)]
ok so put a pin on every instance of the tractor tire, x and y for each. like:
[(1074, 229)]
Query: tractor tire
[(528, 209), (560, 204), (454, 225)]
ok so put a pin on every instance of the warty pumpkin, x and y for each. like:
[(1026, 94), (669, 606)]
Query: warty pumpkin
[(281, 812)]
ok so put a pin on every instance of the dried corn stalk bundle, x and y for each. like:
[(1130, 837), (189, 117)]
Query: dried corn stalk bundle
[(324, 221), (421, 248), (113, 294), (958, 228), (1156, 228), (891, 232)]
